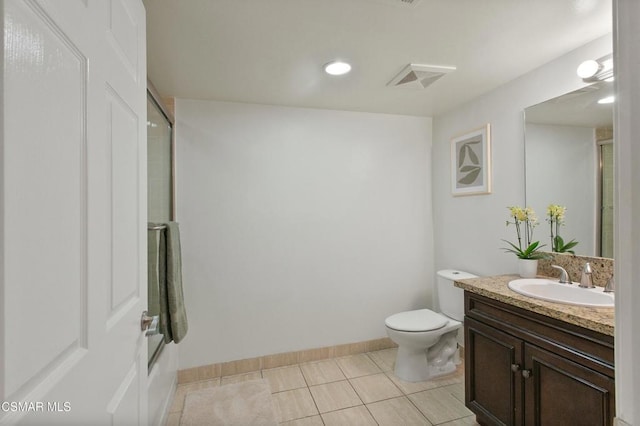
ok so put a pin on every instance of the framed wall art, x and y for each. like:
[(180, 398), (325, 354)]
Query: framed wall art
[(471, 162)]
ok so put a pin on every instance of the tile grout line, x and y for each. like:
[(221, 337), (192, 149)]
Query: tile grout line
[(315, 404)]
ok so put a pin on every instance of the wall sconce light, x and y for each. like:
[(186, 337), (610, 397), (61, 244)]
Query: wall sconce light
[(596, 70)]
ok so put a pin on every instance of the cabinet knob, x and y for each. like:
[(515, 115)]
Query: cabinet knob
[(515, 367), (526, 373)]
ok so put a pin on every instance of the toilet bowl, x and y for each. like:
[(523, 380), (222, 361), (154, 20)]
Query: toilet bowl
[(427, 340)]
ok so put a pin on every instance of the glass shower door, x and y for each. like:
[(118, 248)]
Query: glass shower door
[(160, 192)]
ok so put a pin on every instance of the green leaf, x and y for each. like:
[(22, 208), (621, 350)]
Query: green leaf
[(461, 155), (571, 244), (530, 252), (468, 168), (516, 250), (532, 247), (470, 177), (561, 247), (557, 243), (472, 155)]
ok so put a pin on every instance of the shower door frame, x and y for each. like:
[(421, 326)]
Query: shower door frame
[(156, 99), (600, 213)]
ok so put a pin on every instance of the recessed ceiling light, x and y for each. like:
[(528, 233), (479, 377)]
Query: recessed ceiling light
[(337, 68), (607, 100)]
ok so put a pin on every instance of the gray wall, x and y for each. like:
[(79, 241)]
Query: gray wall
[(301, 228)]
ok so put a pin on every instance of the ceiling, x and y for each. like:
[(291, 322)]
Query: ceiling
[(273, 51)]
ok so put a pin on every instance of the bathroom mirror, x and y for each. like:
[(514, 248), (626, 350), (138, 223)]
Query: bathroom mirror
[(569, 161)]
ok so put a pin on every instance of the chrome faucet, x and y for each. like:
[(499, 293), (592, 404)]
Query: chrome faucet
[(564, 275), (586, 280), (611, 285)]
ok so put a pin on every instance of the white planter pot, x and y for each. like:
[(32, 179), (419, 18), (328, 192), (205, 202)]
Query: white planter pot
[(528, 268)]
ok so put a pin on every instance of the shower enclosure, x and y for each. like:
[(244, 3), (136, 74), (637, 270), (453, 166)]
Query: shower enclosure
[(160, 189)]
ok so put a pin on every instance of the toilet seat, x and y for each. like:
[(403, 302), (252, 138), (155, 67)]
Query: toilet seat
[(417, 321)]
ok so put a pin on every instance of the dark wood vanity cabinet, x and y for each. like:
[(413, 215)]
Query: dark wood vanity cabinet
[(523, 368)]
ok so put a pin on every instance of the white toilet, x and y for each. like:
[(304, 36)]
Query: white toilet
[(427, 340)]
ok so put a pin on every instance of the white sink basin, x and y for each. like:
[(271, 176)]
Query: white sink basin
[(541, 288)]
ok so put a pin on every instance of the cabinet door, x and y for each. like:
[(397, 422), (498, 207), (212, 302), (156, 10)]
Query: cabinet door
[(561, 392), (493, 378)]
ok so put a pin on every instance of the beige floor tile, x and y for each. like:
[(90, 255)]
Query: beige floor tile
[(374, 388), (173, 419), (204, 384), (409, 387), (334, 396), (354, 416), (397, 411), (440, 405), (321, 372), (178, 399), (357, 365), (294, 404), (284, 378), (332, 392), (237, 378), (457, 390), (307, 421), (465, 421), (384, 359)]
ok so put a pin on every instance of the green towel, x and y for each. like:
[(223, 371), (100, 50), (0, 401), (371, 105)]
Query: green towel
[(176, 325)]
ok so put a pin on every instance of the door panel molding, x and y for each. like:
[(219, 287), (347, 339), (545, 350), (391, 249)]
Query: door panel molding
[(45, 68)]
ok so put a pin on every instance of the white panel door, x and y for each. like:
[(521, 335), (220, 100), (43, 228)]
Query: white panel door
[(72, 218)]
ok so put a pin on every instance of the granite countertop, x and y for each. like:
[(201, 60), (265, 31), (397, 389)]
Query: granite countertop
[(596, 319)]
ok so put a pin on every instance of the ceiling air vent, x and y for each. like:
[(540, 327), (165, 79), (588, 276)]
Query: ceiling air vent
[(415, 76)]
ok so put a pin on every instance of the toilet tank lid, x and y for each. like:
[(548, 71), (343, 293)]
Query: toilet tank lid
[(454, 274)]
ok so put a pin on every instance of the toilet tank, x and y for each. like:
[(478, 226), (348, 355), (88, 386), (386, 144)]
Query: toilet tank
[(450, 298)]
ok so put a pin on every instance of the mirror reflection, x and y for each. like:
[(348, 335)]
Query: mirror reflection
[(569, 162)]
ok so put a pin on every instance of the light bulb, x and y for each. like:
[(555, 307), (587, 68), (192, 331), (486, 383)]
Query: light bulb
[(588, 69), (337, 68)]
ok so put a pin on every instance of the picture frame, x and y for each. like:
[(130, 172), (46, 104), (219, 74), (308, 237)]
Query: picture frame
[(471, 162)]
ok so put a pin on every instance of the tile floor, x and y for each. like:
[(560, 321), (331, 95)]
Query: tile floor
[(352, 390)]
